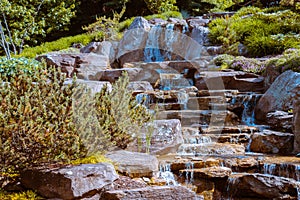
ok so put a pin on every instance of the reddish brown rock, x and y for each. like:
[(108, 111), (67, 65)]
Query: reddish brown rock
[(152, 193), (234, 80), (280, 121), (296, 121), (272, 142), (69, 182), (259, 186)]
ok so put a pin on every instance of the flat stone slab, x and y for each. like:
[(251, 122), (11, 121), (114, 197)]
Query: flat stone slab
[(69, 182), (134, 164), (152, 193), (208, 172)]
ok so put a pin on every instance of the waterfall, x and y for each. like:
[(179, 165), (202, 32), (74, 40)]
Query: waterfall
[(152, 51), (269, 168), (248, 115), (166, 174), (189, 176)]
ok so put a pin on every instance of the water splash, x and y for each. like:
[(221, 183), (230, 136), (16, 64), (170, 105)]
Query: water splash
[(166, 174)]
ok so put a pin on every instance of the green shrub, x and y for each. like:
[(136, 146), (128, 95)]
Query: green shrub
[(159, 6), (36, 123), (289, 60), (119, 114), (261, 32), (60, 44), (27, 195), (14, 65)]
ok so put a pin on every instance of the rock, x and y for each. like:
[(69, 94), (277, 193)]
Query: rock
[(270, 74), (279, 96), (139, 23), (112, 75), (280, 121), (200, 35), (140, 85), (296, 121), (197, 21), (66, 62), (214, 172), (158, 21), (95, 86), (166, 137), (211, 149), (235, 80), (272, 142), (134, 164), (259, 186), (105, 48), (69, 182), (152, 193)]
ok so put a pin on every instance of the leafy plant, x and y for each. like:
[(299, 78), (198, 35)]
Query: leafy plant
[(107, 26), (119, 114), (9, 67), (60, 44), (263, 33), (27, 195), (36, 120), (159, 6)]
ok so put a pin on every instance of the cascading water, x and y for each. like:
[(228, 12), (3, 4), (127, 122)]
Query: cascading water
[(269, 168), (152, 51), (166, 174), (189, 176), (248, 115)]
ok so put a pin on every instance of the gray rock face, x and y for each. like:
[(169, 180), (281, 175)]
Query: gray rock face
[(280, 121), (134, 164), (152, 193), (140, 85), (272, 142), (279, 96), (70, 182), (139, 22), (259, 186), (296, 122), (166, 137)]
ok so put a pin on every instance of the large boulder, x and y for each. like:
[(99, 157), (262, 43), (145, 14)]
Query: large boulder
[(165, 137), (72, 182), (272, 142), (296, 122), (260, 186), (152, 193), (279, 96), (134, 164)]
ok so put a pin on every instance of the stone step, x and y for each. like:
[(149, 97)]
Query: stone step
[(223, 93), (240, 138), (200, 117), (214, 172), (203, 103), (211, 149)]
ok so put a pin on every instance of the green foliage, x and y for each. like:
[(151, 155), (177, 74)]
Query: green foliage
[(30, 21), (240, 63), (119, 114), (92, 159), (289, 60), (36, 120), (222, 5), (261, 32), (27, 195), (160, 6), (60, 44), (15, 65), (107, 26)]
